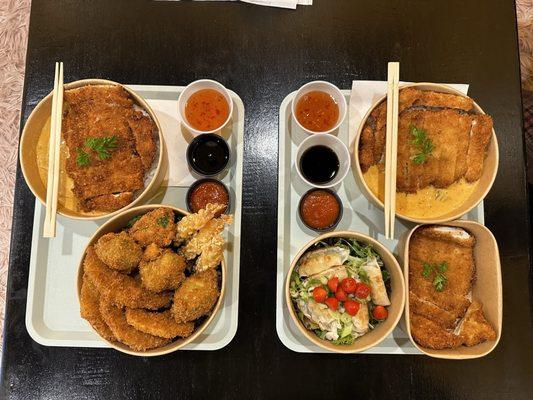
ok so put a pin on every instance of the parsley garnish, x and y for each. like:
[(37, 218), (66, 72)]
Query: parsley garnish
[(102, 145), (163, 221), (82, 158), (439, 280), (423, 144), (132, 221)]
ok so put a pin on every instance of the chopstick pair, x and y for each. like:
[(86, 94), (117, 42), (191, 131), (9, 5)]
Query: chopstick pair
[(391, 147), (52, 185)]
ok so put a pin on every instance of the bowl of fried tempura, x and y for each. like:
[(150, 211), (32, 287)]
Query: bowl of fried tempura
[(152, 278), (447, 153), (112, 152)]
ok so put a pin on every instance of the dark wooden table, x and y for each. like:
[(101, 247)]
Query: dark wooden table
[(263, 54)]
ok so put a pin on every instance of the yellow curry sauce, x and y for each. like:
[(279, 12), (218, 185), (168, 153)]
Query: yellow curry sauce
[(429, 202)]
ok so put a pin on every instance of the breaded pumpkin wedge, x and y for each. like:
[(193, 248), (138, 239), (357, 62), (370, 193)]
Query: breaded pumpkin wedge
[(160, 324)]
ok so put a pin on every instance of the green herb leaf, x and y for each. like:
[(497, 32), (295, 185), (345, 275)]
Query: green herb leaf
[(82, 158), (132, 221), (427, 270), (443, 266), (102, 145), (163, 221), (423, 144), (439, 280)]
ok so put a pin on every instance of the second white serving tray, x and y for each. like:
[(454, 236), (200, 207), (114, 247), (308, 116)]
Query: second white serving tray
[(52, 308), (358, 215)]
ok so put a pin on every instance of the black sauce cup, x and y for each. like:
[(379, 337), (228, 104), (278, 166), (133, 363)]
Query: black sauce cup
[(208, 154), (328, 228), (198, 183)]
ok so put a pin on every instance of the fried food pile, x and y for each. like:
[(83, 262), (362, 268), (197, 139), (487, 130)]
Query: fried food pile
[(442, 272), (456, 139), (111, 145), (155, 280)]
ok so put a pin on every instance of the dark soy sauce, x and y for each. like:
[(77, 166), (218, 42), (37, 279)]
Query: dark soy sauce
[(319, 164), (208, 154)]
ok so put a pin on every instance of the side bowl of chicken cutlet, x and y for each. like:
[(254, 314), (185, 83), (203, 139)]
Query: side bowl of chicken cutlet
[(112, 150), (447, 153), (453, 289), (146, 290)]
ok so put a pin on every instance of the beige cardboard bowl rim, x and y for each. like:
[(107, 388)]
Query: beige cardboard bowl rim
[(449, 354), (176, 344), (434, 220), (393, 267), (152, 185)]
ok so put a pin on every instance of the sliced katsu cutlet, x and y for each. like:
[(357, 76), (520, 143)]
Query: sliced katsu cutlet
[(95, 112), (435, 245), (372, 142)]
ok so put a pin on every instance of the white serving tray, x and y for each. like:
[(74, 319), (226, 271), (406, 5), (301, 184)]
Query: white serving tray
[(358, 215), (52, 309)]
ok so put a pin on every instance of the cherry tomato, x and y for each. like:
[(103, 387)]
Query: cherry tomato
[(341, 295), (362, 290), (349, 285), (320, 294), (332, 303), (379, 312), (352, 307), (333, 283)]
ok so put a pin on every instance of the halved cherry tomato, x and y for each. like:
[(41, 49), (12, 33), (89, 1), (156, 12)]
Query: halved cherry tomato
[(352, 307), (320, 294), (349, 285), (379, 312), (362, 290), (332, 303), (333, 283), (341, 295)]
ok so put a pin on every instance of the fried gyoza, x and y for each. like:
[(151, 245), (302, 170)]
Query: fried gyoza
[(165, 272), (160, 324), (90, 310), (196, 296), (115, 318), (156, 226), (120, 288), (118, 251), (192, 223)]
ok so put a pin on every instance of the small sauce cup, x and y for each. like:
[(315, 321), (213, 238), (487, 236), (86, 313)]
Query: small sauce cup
[(198, 184), (331, 196), (194, 87), (208, 154), (328, 88)]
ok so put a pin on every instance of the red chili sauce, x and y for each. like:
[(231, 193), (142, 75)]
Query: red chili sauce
[(207, 109), (317, 111), (208, 192), (320, 209)]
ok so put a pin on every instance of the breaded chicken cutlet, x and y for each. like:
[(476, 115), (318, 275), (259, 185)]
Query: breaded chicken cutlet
[(160, 324), (106, 176), (443, 317), (163, 272), (459, 137), (90, 310), (156, 226), (196, 296)]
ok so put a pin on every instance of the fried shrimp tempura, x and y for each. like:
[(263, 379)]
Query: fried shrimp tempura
[(162, 273), (90, 310), (208, 234), (125, 333), (120, 288), (157, 227), (196, 296), (118, 251), (192, 223), (160, 324)]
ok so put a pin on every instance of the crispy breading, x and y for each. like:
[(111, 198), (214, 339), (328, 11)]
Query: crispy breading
[(164, 272), (475, 329), (460, 139), (160, 324), (118, 251), (192, 223), (151, 252), (97, 111), (156, 226), (90, 310), (445, 319), (196, 296), (205, 236), (428, 334), (120, 288), (116, 320), (212, 255)]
